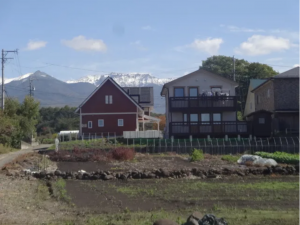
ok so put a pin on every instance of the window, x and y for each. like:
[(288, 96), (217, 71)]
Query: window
[(184, 117), (217, 117), (108, 99), (100, 123), (193, 92), (120, 122), (261, 120), (268, 93), (194, 117), (205, 117), (90, 124), (250, 105), (179, 92), (257, 99)]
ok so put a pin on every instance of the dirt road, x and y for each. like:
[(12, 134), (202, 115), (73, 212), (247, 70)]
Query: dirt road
[(6, 158)]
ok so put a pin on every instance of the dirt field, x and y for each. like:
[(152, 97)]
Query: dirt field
[(247, 200), (148, 162)]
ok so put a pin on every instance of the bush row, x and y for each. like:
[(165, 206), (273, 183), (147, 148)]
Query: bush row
[(280, 157)]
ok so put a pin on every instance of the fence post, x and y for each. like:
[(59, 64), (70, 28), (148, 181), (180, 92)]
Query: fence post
[(294, 144), (70, 137)]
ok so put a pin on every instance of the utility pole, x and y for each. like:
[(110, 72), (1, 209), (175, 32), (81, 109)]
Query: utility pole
[(3, 60), (31, 88), (233, 68)]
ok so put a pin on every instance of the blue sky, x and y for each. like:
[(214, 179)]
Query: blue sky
[(165, 38)]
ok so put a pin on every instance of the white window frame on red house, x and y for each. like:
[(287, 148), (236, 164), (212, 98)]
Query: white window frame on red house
[(120, 125), (108, 99), (90, 123), (101, 125)]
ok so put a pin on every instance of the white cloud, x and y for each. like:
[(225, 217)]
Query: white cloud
[(241, 29), (263, 45), (81, 43), (209, 45), (147, 28), (296, 65), (138, 45), (34, 45)]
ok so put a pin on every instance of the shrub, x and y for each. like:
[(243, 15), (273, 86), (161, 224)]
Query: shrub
[(197, 155), (280, 157), (122, 154), (230, 158), (47, 141)]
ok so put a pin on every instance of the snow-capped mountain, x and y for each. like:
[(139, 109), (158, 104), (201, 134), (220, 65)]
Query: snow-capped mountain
[(53, 92), (125, 79), (23, 77)]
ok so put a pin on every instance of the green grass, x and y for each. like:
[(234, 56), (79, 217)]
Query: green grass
[(230, 158), (181, 190), (233, 216), (4, 149)]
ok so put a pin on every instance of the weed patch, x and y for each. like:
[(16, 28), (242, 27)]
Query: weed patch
[(230, 158), (59, 190)]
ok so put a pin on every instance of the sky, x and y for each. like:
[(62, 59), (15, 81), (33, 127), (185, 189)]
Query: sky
[(69, 39)]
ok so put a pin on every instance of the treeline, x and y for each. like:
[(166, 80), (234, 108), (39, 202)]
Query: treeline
[(54, 119), (18, 121)]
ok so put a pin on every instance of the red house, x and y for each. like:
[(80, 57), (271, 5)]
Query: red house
[(110, 110)]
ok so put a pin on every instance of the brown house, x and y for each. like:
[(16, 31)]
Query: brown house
[(280, 96), (110, 110)]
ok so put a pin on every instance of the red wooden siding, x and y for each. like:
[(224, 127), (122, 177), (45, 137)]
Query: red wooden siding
[(110, 123), (96, 104)]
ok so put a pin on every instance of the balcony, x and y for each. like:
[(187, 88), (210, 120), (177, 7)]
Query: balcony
[(210, 128), (205, 103)]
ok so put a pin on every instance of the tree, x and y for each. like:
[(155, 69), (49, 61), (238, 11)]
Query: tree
[(223, 65), (162, 123), (29, 113)]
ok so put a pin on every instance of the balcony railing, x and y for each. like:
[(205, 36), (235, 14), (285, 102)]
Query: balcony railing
[(210, 128), (208, 103)]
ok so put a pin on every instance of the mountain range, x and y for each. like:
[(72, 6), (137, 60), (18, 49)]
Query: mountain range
[(53, 92)]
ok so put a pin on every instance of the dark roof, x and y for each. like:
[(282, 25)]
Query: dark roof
[(259, 111), (256, 82), (292, 73)]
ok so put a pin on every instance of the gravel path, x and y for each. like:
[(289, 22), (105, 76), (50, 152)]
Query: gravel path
[(8, 157)]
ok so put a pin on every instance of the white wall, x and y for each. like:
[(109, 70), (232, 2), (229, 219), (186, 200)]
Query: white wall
[(250, 99), (203, 80)]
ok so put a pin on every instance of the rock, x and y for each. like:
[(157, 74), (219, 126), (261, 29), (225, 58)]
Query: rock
[(240, 173), (57, 173), (108, 177), (86, 176), (165, 222), (79, 176), (165, 173), (151, 175), (123, 176), (297, 168), (211, 176), (194, 218), (42, 174), (278, 169)]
